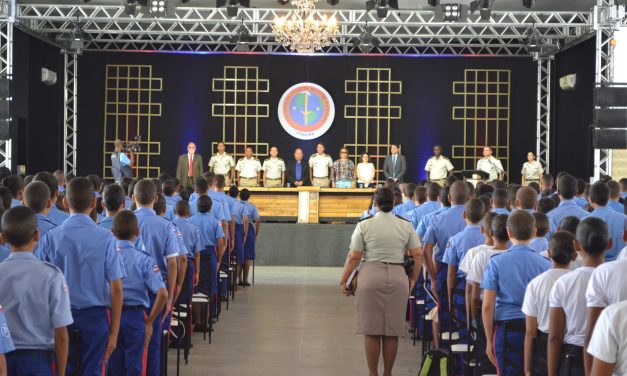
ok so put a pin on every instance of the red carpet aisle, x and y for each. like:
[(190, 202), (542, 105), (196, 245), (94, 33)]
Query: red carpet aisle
[(292, 322)]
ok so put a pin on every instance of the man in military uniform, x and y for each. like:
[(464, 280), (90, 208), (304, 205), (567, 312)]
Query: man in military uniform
[(273, 170), (532, 170), (248, 169), (438, 167), (320, 164), (222, 164), (490, 165)]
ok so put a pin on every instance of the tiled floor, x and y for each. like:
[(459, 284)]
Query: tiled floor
[(292, 322)]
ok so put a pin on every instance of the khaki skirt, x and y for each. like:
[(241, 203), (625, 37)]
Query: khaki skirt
[(381, 299)]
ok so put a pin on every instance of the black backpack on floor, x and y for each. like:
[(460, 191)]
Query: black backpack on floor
[(435, 363)]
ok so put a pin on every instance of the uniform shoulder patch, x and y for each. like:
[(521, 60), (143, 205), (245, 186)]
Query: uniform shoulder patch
[(280, 159), (368, 217), (398, 216)]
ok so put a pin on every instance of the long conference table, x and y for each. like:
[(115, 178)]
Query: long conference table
[(310, 204)]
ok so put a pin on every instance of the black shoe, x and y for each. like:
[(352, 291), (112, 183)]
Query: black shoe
[(241, 284), (246, 284)]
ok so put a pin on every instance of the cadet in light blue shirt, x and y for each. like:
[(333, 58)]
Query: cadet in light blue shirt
[(37, 197), (160, 240), (566, 188), (202, 187), (168, 188), (408, 203), (445, 225), (616, 222), (239, 210), (57, 216), (614, 202), (4, 251), (114, 201), (504, 284), (6, 343), (191, 237), (212, 240), (540, 243), (458, 244), (415, 215), (16, 185), (142, 277), (54, 214), (35, 298), (250, 252), (87, 256)]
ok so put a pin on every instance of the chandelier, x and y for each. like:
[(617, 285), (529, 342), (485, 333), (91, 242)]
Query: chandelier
[(306, 31)]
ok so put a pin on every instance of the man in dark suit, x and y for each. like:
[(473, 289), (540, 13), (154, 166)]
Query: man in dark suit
[(189, 167), (395, 166), (297, 171)]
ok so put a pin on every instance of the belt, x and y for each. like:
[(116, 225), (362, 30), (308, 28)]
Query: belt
[(532, 179), (43, 354), (515, 325), (133, 308), (273, 179), (318, 177), (390, 263), (244, 177)]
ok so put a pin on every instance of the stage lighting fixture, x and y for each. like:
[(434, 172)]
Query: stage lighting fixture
[(381, 6), (451, 12), (242, 39), (333, 2), (485, 9), (528, 3), (366, 42), (232, 6), (433, 3), (130, 8), (283, 2), (533, 40), (157, 8), (78, 37)]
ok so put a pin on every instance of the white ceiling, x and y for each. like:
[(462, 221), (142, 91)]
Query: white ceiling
[(503, 5)]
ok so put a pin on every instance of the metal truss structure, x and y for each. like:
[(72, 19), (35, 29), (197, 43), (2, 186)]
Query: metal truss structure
[(70, 113), (543, 113), (193, 29), (208, 29), (7, 10)]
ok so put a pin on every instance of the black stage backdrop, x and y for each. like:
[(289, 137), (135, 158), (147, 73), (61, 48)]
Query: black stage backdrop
[(426, 102), (572, 109)]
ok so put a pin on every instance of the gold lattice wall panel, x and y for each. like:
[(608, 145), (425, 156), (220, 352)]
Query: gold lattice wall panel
[(130, 105), (484, 115), (240, 109), (371, 95)]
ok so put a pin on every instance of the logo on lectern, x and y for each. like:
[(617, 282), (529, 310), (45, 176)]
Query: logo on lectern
[(306, 111)]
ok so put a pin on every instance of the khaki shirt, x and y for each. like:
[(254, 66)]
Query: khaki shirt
[(248, 168), (320, 165), (221, 164), (384, 237), (273, 167), (532, 170), (492, 166), (438, 168)]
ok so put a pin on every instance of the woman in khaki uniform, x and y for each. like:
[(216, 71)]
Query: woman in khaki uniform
[(383, 289)]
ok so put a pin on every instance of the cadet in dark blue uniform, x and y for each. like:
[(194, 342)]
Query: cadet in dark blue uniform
[(191, 237), (160, 240), (239, 212), (504, 284), (54, 214), (253, 232), (142, 277), (35, 297), (6, 343), (86, 255), (114, 201), (37, 197)]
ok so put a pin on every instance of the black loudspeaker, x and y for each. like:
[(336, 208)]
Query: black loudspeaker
[(610, 96), (5, 129), (609, 138), (610, 118)]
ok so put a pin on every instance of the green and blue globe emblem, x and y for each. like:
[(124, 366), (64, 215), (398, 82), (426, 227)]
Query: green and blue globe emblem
[(306, 111)]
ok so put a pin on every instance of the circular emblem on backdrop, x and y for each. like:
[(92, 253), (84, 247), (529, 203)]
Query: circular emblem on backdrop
[(306, 111)]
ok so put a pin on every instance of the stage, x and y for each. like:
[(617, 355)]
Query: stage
[(310, 204), (283, 244)]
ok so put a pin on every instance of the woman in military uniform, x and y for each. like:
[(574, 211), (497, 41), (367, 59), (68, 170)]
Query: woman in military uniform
[(383, 289)]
